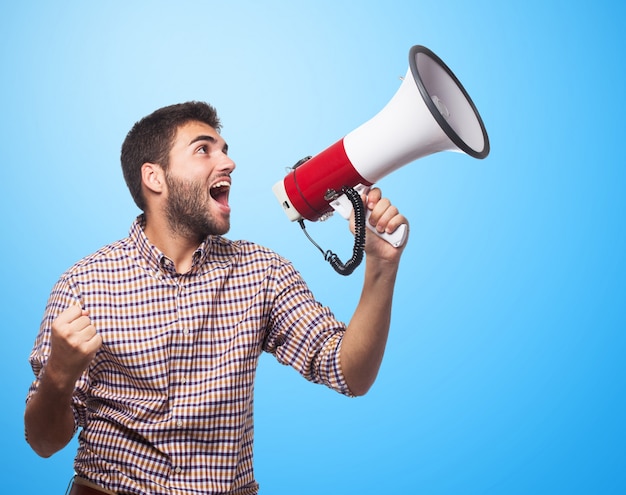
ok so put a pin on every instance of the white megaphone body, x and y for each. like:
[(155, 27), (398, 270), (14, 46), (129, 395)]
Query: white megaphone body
[(430, 112)]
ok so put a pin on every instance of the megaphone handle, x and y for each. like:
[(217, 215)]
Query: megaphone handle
[(343, 206), (396, 238)]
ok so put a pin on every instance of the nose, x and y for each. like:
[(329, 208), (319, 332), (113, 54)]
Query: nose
[(227, 163)]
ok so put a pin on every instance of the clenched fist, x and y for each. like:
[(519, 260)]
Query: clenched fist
[(74, 342)]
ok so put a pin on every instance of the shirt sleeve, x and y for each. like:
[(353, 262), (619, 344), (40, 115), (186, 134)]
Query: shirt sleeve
[(61, 297), (305, 334)]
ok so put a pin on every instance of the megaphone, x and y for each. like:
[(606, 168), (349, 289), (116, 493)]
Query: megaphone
[(430, 112)]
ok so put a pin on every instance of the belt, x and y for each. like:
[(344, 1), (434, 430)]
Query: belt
[(84, 487)]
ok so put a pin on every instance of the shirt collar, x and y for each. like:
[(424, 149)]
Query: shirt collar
[(155, 258)]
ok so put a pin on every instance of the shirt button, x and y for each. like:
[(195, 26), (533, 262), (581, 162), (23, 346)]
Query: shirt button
[(186, 331), (183, 380), (178, 470), (179, 423)]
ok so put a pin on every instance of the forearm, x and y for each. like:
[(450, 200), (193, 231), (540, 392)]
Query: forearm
[(48, 418), (365, 339)]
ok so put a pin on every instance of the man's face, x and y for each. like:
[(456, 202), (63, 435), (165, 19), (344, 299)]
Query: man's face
[(198, 182)]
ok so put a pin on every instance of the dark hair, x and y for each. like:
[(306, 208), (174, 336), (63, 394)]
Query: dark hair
[(150, 140)]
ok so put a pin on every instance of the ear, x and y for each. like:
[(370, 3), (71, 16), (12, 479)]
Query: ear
[(153, 177)]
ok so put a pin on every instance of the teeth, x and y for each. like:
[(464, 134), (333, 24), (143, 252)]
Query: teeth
[(220, 184)]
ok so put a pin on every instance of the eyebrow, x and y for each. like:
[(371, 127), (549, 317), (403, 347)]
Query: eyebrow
[(211, 139)]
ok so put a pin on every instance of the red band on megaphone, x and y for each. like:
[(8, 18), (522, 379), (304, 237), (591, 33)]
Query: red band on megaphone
[(307, 185)]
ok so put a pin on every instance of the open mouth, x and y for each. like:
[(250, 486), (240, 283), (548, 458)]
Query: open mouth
[(219, 192)]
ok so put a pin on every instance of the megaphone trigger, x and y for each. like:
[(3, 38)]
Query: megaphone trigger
[(343, 205)]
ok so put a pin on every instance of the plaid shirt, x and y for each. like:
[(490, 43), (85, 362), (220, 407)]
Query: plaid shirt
[(166, 405)]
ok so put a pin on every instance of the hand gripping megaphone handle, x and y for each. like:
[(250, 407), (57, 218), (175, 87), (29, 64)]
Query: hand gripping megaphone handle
[(343, 206)]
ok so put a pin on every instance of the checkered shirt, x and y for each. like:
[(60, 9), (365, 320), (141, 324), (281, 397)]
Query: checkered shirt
[(166, 406)]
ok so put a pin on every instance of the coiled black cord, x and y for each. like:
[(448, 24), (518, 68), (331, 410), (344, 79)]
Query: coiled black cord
[(359, 236)]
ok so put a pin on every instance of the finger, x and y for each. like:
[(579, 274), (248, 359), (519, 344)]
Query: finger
[(395, 222), (83, 336), (70, 314), (90, 340), (95, 342), (373, 197), (387, 220), (378, 213), (80, 323)]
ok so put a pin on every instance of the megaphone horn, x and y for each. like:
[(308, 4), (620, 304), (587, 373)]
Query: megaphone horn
[(430, 112)]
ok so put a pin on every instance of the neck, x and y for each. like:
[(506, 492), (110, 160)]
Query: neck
[(175, 245)]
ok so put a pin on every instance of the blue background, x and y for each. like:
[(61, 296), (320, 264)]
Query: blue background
[(504, 372)]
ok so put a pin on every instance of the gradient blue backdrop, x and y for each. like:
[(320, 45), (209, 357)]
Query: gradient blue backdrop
[(504, 372)]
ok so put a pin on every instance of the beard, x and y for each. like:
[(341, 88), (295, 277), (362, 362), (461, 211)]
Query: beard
[(187, 210)]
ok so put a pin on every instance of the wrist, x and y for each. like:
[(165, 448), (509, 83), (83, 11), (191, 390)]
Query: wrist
[(381, 267), (56, 378)]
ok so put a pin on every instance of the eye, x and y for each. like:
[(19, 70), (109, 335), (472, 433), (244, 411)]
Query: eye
[(204, 149)]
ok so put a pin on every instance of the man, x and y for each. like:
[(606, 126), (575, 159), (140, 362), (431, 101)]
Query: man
[(150, 345)]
